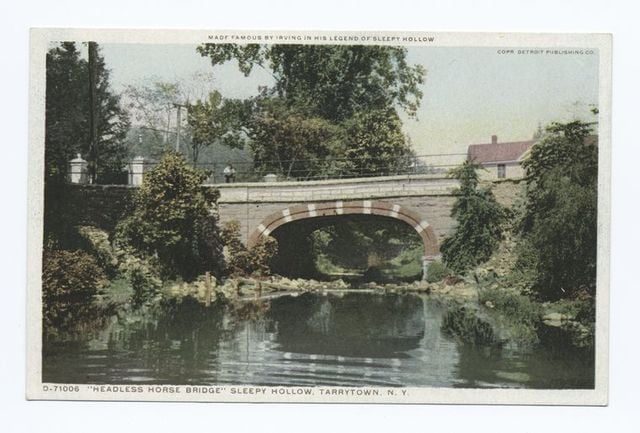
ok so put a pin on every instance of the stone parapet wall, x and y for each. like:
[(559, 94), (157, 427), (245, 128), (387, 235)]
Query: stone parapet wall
[(337, 189), (92, 205)]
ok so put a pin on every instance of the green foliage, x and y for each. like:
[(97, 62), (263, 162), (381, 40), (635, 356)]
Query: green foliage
[(515, 317), (97, 244), (465, 324), (291, 142), (141, 272), (70, 281), (172, 221), (407, 265), (581, 311), (242, 261), (237, 257), (479, 222), (216, 120), (67, 116), (437, 271), (331, 112), (516, 308), (358, 242), (153, 108), (374, 144), (334, 81), (262, 253), (559, 225)]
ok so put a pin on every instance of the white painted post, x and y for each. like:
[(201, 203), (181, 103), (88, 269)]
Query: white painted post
[(136, 171), (78, 170)]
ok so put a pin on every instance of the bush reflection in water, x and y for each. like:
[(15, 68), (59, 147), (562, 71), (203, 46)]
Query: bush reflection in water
[(354, 339)]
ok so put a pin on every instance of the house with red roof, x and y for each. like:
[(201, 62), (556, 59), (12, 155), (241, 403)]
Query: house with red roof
[(501, 160)]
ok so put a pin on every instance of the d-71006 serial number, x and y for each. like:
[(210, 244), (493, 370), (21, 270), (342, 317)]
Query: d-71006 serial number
[(61, 388)]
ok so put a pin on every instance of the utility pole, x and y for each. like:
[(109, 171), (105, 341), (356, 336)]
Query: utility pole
[(93, 124), (178, 120), (166, 134)]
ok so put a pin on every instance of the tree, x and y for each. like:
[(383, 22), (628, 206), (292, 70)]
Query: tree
[(65, 122), (152, 104), (559, 225), (153, 112), (216, 120), (479, 218), (335, 81), (172, 220), (326, 104), (289, 141), (375, 144), (67, 116)]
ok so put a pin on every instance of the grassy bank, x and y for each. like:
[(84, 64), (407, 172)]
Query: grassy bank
[(515, 316)]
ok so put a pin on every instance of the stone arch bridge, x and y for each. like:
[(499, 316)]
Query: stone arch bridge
[(422, 201)]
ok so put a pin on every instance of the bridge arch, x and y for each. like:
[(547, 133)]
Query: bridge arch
[(357, 207)]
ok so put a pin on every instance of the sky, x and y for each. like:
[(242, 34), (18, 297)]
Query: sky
[(470, 93)]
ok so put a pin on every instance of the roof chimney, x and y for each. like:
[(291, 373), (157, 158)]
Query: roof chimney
[(494, 139)]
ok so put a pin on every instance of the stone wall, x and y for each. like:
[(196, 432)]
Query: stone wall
[(508, 191), (94, 205)]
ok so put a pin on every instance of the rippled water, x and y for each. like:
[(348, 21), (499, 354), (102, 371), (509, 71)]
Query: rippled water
[(354, 339)]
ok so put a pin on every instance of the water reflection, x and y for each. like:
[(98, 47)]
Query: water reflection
[(354, 339), (356, 325)]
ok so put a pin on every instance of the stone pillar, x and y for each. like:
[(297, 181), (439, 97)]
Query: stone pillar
[(426, 261), (78, 170), (136, 171)]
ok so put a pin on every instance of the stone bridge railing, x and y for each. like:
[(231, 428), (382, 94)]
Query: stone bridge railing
[(337, 189)]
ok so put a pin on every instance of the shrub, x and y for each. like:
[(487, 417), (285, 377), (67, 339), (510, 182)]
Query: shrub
[(172, 220), (559, 225), (261, 255), (516, 316), (243, 261), (516, 308), (479, 220), (466, 325), (141, 273), (437, 271), (70, 281), (98, 245)]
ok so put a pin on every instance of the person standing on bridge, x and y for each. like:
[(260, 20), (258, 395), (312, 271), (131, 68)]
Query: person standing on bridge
[(229, 173)]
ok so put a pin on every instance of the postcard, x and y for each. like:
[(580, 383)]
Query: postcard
[(314, 216)]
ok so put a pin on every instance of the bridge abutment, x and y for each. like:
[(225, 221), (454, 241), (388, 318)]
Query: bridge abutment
[(426, 261)]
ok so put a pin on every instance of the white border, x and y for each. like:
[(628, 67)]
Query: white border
[(39, 44), (616, 16)]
